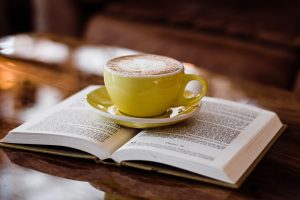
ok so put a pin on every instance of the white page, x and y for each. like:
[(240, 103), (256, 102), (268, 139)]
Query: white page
[(211, 138), (73, 119), (204, 137)]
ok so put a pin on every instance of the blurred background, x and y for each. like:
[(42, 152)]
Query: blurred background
[(253, 40)]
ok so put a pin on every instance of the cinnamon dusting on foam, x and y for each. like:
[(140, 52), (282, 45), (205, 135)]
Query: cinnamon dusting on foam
[(144, 65)]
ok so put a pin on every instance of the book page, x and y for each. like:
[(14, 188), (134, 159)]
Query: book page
[(73, 118), (213, 137), (204, 136)]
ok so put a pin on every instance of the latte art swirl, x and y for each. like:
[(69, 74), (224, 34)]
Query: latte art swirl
[(144, 65)]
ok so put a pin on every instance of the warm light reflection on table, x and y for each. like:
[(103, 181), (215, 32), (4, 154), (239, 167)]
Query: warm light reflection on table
[(24, 184), (38, 71)]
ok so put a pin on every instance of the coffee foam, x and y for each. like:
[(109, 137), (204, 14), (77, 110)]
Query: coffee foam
[(144, 65)]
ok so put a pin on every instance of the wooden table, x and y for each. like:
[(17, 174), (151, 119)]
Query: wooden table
[(38, 71)]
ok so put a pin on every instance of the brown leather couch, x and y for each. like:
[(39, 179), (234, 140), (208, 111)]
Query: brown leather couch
[(253, 40)]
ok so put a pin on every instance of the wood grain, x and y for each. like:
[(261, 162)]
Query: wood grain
[(27, 88)]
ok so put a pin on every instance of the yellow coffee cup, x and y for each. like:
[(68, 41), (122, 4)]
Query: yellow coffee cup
[(146, 85)]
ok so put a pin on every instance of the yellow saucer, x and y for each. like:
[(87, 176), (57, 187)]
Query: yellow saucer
[(101, 103)]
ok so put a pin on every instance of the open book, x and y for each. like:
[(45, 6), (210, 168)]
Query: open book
[(221, 142)]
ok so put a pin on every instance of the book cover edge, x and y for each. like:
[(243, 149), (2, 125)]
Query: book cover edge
[(148, 166)]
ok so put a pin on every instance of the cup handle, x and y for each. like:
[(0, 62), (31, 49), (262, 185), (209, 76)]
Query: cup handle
[(184, 101)]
